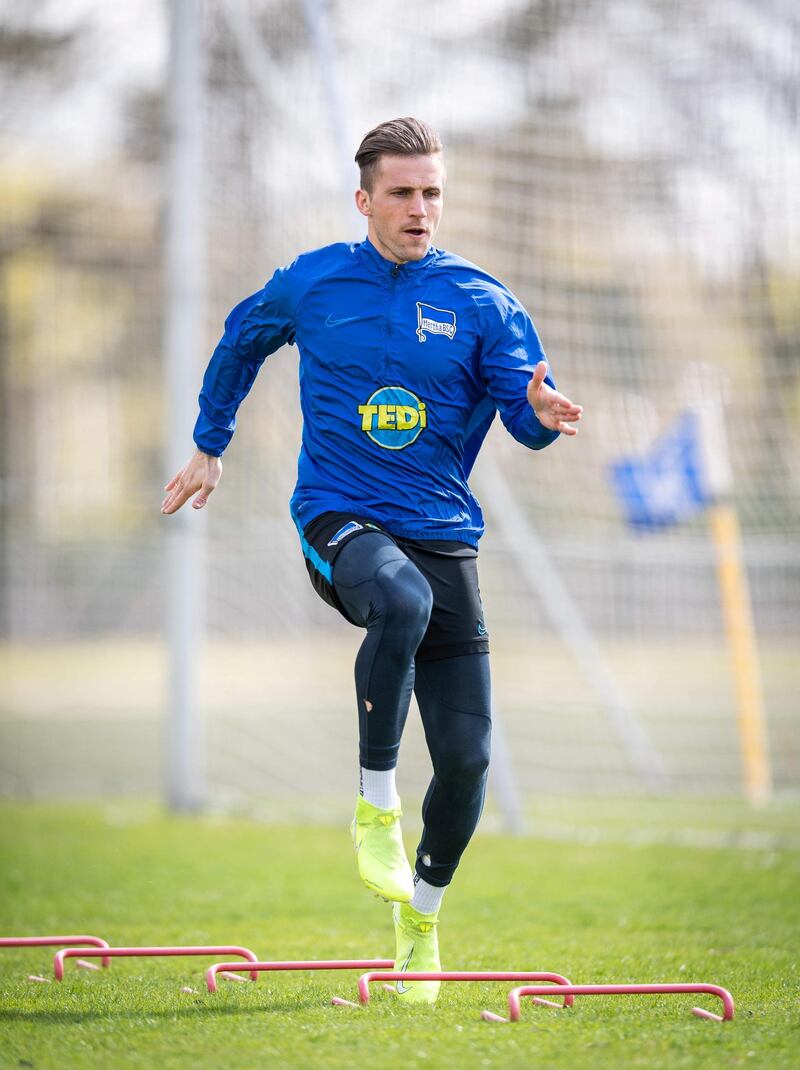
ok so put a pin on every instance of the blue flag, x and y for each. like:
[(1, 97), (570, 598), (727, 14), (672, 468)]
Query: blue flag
[(668, 484)]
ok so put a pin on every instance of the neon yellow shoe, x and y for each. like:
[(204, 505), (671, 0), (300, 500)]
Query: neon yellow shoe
[(417, 952), (382, 860)]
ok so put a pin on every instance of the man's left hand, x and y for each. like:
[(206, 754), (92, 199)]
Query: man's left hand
[(554, 411)]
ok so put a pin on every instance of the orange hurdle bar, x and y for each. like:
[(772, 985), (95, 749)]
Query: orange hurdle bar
[(152, 952)]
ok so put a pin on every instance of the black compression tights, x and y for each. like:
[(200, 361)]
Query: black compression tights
[(386, 593)]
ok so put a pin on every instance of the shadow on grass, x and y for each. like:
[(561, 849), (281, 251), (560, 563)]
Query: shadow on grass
[(196, 1010)]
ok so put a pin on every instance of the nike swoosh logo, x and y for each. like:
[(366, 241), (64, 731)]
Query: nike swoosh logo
[(400, 987), (331, 321)]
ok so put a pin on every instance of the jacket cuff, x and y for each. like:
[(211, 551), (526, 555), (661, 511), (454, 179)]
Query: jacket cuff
[(531, 433)]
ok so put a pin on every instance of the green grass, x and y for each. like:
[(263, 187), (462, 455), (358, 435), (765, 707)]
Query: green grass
[(605, 911), (85, 720)]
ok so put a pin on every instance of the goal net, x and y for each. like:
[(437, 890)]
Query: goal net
[(629, 169)]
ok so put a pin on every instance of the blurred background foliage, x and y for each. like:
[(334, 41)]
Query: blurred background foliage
[(631, 169)]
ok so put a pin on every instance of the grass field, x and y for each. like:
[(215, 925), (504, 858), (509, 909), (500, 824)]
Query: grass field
[(604, 911), (85, 720)]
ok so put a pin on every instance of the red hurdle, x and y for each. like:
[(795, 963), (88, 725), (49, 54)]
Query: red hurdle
[(516, 994), (366, 979), (86, 947), (55, 941), (220, 968), (151, 952)]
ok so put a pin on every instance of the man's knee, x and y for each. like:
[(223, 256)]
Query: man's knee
[(463, 767), (406, 598)]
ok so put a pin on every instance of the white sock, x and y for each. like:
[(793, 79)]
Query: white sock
[(378, 788), (427, 898)]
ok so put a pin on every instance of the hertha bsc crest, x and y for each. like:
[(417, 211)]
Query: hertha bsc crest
[(434, 321)]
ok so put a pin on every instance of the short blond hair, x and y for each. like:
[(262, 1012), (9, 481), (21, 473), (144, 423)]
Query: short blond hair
[(397, 137)]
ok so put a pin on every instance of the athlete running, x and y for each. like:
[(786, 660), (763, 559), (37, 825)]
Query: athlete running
[(406, 354)]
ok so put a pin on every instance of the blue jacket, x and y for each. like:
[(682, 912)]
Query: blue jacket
[(402, 368)]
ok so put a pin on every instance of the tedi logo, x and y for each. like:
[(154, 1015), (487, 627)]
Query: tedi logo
[(434, 321), (393, 417)]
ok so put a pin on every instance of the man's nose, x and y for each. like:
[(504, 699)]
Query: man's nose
[(417, 205)]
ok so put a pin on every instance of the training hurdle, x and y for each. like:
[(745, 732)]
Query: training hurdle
[(152, 952), (87, 946), (366, 979), (221, 968), (57, 941), (537, 991)]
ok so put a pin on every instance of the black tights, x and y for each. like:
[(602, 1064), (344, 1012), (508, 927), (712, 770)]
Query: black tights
[(386, 593)]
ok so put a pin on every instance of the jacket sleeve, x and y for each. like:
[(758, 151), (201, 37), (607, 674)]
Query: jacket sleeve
[(257, 327), (510, 350)]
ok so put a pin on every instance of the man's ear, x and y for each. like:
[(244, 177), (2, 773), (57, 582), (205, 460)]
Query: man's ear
[(363, 203)]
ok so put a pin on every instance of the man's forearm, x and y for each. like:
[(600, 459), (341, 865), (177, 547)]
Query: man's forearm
[(226, 383)]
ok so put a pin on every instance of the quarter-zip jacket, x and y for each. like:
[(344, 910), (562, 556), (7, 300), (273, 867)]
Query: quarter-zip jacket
[(402, 369)]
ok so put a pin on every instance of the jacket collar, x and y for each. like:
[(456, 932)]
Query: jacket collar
[(367, 252)]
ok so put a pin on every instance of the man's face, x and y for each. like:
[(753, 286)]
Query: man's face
[(405, 205)]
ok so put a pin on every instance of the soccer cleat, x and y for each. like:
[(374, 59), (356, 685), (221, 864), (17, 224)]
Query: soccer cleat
[(382, 860), (417, 952)]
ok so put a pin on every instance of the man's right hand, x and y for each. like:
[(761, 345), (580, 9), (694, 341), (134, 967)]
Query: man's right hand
[(200, 473)]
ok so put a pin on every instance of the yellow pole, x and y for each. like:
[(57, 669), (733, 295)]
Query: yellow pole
[(744, 654)]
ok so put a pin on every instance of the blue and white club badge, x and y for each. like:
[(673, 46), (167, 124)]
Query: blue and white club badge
[(393, 417), (434, 321)]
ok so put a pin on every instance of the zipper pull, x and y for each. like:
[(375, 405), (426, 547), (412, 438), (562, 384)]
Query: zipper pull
[(395, 271)]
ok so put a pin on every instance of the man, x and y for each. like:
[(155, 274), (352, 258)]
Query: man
[(406, 354)]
